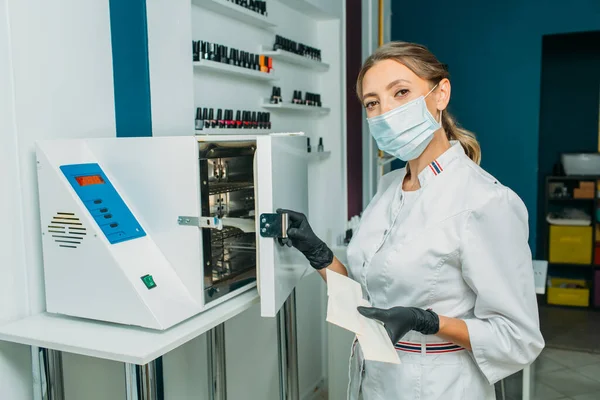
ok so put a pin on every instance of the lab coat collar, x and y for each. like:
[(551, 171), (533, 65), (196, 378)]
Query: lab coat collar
[(440, 164)]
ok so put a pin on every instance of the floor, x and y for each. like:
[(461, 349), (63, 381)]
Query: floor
[(571, 328), (560, 375)]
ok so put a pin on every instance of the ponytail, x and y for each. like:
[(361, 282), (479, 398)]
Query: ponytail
[(466, 138)]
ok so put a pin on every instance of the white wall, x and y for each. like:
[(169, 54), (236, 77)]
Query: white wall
[(252, 364), (15, 375), (55, 82)]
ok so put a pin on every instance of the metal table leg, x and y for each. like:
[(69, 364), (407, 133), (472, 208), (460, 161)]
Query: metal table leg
[(47, 374), (288, 350), (142, 381), (217, 371)]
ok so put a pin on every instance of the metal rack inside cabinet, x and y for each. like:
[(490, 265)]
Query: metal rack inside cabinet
[(572, 249)]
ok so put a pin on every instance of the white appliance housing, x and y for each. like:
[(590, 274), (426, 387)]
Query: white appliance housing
[(140, 266)]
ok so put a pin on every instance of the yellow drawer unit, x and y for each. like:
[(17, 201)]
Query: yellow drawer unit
[(571, 244), (568, 292)]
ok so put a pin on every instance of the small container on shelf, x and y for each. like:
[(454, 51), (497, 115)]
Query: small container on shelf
[(570, 244), (568, 292), (597, 288)]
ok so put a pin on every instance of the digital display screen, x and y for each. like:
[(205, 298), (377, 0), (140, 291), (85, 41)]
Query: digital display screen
[(89, 180)]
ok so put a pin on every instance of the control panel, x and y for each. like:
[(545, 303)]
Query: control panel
[(103, 202)]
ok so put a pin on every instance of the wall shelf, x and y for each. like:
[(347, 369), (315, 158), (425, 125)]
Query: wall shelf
[(295, 107), (307, 8), (214, 66), (116, 342), (232, 10), (293, 58), (225, 131)]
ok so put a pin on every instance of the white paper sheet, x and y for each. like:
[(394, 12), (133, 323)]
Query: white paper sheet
[(344, 296)]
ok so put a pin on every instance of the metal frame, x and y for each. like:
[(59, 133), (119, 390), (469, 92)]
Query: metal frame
[(141, 381), (289, 388), (217, 368), (144, 382)]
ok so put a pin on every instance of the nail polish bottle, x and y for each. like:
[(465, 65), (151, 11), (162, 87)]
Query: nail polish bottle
[(205, 118), (270, 63), (244, 120), (279, 98), (214, 49), (225, 118), (220, 121), (256, 62), (254, 120), (231, 57), (196, 56), (318, 100), (274, 95), (238, 119), (268, 117), (320, 146), (199, 121), (308, 149), (231, 120), (211, 117), (206, 51), (295, 97)]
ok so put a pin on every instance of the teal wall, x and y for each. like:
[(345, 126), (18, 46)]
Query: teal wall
[(494, 52)]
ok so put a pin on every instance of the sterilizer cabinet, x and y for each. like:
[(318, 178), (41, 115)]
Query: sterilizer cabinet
[(151, 231)]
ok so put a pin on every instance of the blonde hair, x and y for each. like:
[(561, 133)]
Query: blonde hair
[(426, 66)]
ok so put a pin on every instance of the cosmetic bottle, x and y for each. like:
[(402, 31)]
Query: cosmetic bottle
[(199, 121), (220, 118), (268, 116), (320, 146), (206, 51), (205, 118), (308, 144), (211, 117), (195, 50), (238, 119), (254, 120), (274, 95)]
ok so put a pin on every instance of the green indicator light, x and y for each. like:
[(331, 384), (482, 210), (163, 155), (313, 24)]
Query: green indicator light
[(148, 281)]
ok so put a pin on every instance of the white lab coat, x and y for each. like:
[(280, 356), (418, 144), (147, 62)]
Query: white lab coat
[(458, 245)]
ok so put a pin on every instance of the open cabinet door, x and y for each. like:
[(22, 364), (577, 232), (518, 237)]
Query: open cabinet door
[(282, 182)]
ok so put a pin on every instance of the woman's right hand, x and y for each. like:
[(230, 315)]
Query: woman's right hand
[(304, 239)]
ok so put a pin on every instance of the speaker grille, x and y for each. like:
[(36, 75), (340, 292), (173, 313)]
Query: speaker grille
[(67, 230)]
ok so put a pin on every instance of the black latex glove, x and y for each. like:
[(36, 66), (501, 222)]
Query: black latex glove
[(302, 237), (398, 321)]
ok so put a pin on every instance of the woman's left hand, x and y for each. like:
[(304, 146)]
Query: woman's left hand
[(398, 321)]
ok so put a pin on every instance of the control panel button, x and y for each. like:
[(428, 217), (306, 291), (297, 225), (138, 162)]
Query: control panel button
[(97, 201), (107, 216), (114, 225), (103, 210), (148, 281)]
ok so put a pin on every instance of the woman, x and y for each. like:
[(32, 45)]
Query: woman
[(441, 252)]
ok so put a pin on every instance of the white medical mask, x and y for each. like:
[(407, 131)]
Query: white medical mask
[(405, 131)]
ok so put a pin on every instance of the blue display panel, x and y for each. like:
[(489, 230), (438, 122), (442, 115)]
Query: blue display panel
[(103, 202)]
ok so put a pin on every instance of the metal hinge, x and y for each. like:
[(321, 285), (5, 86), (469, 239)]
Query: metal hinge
[(274, 225)]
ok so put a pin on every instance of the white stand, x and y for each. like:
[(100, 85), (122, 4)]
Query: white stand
[(288, 350), (141, 381), (217, 371)]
